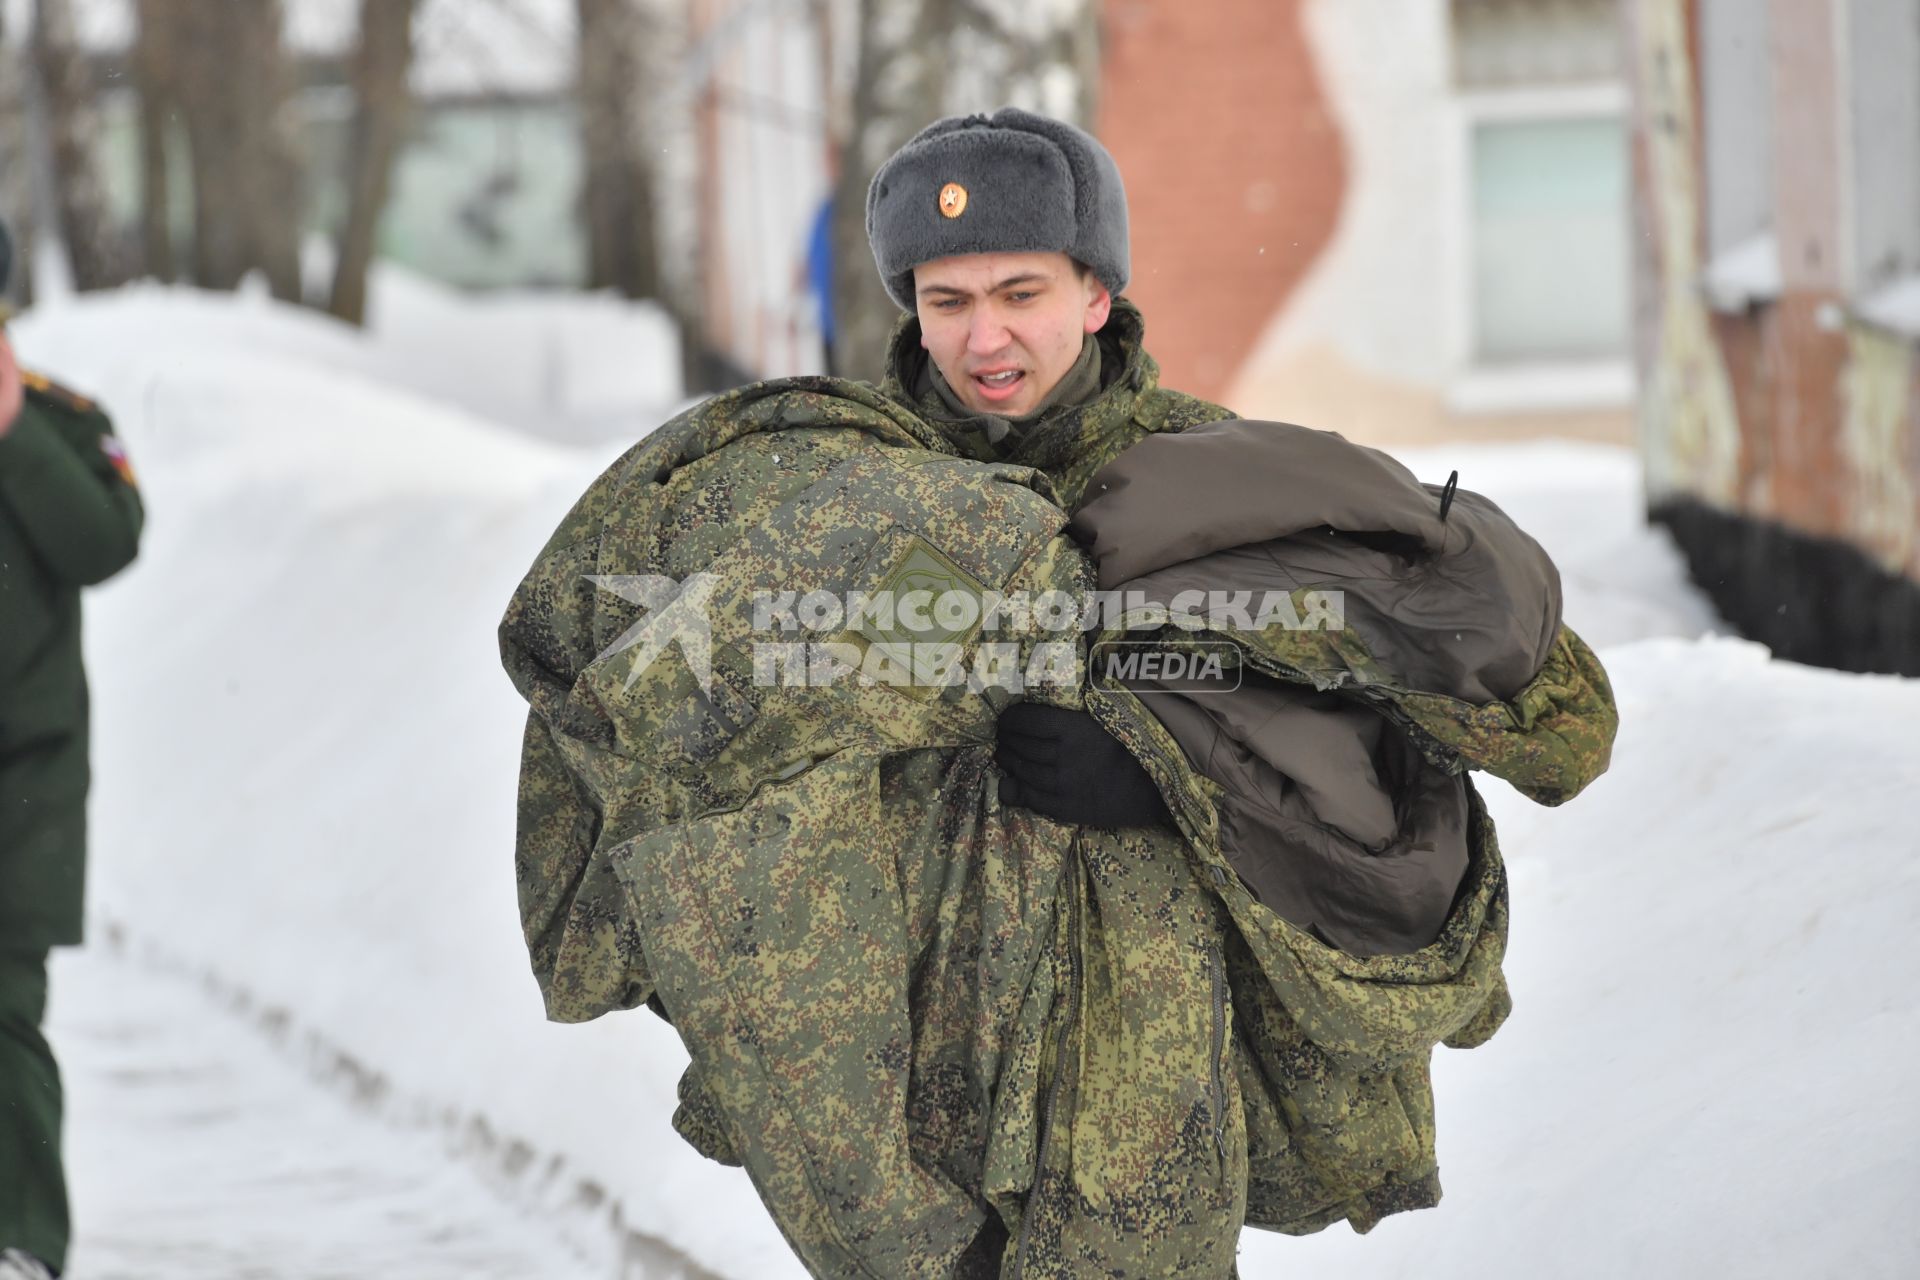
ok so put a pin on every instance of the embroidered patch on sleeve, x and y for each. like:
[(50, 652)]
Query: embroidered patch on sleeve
[(117, 455), (923, 611)]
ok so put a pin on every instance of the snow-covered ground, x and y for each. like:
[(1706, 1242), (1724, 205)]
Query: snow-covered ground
[(305, 756), (1714, 981), (206, 1142)]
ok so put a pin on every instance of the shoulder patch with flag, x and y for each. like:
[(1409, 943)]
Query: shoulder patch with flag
[(117, 455)]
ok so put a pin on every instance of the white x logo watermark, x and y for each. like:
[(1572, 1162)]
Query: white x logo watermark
[(676, 614)]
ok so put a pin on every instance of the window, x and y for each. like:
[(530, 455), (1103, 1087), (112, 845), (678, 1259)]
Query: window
[(1530, 43), (1547, 273), (1550, 264), (1736, 91), (1883, 134)]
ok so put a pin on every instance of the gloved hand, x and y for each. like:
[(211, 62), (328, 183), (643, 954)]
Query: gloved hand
[(1063, 764)]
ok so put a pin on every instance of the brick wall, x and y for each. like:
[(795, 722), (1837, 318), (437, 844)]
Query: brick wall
[(1234, 171)]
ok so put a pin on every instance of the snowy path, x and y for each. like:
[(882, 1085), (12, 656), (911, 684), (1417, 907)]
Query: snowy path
[(199, 1149)]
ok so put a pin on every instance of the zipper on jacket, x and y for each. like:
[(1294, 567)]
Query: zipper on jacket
[(1168, 766), (1219, 978), (1048, 1115)]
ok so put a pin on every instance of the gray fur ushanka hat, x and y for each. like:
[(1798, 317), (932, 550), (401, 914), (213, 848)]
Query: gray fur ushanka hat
[(1013, 182)]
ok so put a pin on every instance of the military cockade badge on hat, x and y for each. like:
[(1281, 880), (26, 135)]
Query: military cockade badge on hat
[(953, 200)]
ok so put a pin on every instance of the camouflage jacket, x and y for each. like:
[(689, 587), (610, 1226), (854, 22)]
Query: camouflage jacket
[(944, 1037)]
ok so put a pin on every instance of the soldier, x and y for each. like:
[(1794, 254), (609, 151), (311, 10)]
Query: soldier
[(967, 986), (1005, 241), (1025, 353), (70, 517)]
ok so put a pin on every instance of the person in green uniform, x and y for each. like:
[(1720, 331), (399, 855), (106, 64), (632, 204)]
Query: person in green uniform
[(70, 517)]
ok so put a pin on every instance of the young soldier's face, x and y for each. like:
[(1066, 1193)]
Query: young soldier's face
[(1004, 328)]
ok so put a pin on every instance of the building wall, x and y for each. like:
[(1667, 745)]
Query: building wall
[(1234, 167), (1386, 337), (1781, 419), (1364, 347)]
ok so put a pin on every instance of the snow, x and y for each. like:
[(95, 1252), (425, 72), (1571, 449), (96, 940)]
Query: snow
[(1706, 1069), (568, 366), (1583, 503), (1745, 274), (146, 1057), (305, 756), (305, 749), (1896, 307)]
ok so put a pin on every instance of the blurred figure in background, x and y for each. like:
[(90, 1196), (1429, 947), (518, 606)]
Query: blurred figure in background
[(820, 280), (70, 517)]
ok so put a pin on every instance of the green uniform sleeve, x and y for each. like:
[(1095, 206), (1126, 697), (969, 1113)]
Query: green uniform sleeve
[(79, 512)]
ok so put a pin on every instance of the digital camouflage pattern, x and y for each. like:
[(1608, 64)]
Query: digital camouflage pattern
[(946, 1037)]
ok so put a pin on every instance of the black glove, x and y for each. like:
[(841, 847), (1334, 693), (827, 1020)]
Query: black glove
[(1063, 764)]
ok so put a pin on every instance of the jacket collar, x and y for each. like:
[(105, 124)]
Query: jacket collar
[(1057, 438)]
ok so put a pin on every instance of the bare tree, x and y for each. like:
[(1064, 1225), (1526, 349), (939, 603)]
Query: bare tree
[(154, 63), (16, 198), (228, 76), (70, 124), (622, 243), (920, 60), (381, 108)]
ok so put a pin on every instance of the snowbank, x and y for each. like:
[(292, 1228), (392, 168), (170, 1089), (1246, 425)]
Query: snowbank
[(306, 752), (568, 367), (1707, 1072), (305, 749)]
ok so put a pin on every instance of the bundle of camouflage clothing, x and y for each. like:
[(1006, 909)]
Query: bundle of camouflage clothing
[(946, 1036)]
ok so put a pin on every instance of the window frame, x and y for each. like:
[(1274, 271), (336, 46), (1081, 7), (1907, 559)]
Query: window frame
[(1479, 386), (1886, 299)]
